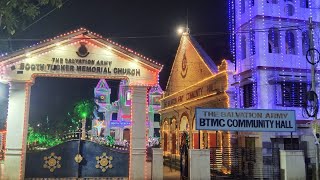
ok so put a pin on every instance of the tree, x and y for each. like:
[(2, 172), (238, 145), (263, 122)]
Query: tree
[(41, 139), (14, 14), (82, 110)]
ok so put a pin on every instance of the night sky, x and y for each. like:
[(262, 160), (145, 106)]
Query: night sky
[(148, 27)]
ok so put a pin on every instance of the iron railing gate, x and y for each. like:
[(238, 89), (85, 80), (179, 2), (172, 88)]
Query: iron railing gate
[(244, 163), (76, 158)]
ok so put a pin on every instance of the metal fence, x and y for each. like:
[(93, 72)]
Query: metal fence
[(244, 163), (172, 161)]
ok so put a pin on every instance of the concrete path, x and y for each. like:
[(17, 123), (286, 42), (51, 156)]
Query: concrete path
[(170, 174)]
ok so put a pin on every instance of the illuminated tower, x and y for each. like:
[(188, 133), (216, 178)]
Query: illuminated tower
[(102, 104)]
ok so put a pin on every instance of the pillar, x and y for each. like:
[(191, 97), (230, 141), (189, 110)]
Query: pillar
[(121, 133), (107, 120), (138, 133), (151, 124), (17, 130), (292, 164), (199, 164), (157, 164)]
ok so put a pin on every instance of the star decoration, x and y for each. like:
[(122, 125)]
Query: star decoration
[(104, 162), (99, 125), (52, 162), (78, 158)]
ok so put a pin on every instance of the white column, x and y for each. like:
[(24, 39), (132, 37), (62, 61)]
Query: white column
[(138, 133), (108, 117), (199, 164), (17, 130), (151, 124), (121, 134), (157, 164), (292, 162)]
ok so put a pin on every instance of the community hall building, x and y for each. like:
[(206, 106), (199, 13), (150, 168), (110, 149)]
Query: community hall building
[(194, 81)]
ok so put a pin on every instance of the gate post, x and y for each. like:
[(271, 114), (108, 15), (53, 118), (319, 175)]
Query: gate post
[(199, 164), (17, 130), (157, 164), (138, 133)]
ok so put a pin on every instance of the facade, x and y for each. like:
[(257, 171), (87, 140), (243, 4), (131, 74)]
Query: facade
[(114, 119), (269, 46), (194, 81)]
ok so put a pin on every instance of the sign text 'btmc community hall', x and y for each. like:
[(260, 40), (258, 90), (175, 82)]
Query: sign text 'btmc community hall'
[(255, 120)]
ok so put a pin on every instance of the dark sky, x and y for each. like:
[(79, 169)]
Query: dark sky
[(130, 23)]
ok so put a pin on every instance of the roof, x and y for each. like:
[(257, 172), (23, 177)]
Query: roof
[(204, 55), (71, 35)]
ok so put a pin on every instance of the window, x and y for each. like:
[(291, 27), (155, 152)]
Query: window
[(243, 6), (251, 3), (243, 47), (305, 42), (293, 94), (290, 42), (155, 99), (248, 100), (289, 9), (156, 117), (273, 40), (128, 98), (272, 1), (252, 43), (304, 3), (114, 116)]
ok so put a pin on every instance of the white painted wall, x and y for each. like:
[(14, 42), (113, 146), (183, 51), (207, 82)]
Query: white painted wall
[(293, 164)]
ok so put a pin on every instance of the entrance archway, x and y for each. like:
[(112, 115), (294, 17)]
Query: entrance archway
[(76, 54)]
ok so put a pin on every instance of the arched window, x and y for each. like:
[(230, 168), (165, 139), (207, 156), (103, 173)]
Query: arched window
[(184, 124), (290, 42), (289, 7), (252, 43), (305, 42), (243, 47), (273, 40)]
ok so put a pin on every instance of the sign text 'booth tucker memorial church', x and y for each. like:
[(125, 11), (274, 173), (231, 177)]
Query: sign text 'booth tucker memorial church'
[(256, 120), (79, 65)]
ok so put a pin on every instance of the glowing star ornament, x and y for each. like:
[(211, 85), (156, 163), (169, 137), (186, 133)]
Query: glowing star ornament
[(99, 125), (104, 162), (52, 162)]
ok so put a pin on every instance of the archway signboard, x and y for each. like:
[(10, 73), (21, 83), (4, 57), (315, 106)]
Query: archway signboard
[(77, 54), (80, 55)]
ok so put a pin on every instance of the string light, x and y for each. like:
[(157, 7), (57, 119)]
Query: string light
[(78, 34), (130, 157), (146, 135)]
